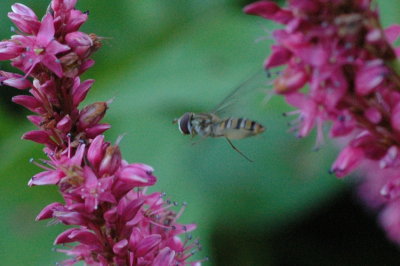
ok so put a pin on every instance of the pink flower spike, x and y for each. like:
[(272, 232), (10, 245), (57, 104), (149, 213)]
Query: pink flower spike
[(24, 18), (47, 211), (348, 159)]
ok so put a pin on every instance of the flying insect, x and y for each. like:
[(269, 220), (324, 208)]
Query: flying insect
[(214, 125)]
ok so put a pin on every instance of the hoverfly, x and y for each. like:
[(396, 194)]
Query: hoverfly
[(214, 125)]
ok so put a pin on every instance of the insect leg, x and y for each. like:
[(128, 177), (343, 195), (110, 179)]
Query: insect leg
[(236, 149)]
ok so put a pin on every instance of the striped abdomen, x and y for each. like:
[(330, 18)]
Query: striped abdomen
[(237, 128)]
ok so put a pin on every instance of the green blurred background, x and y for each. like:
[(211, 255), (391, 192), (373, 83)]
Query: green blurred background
[(163, 58)]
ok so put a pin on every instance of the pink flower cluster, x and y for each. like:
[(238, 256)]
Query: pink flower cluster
[(118, 223), (339, 65)]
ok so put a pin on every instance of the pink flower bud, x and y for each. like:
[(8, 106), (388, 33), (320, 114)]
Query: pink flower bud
[(92, 114), (24, 18), (269, 10), (348, 159), (9, 50)]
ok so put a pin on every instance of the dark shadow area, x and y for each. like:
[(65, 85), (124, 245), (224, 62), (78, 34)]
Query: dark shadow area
[(339, 233)]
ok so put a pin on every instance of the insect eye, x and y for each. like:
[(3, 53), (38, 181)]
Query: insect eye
[(184, 123)]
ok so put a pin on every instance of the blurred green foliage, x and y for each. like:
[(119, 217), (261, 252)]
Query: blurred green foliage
[(160, 59)]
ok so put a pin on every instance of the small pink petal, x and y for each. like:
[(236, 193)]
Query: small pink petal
[(120, 247), (79, 92), (53, 64), (373, 115), (46, 178), (9, 50), (18, 83), (76, 19), (64, 237), (54, 47), (47, 211), (348, 159), (86, 237), (35, 119), (134, 238), (127, 212), (96, 150), (64, 124), (39, 136), (147, 244), (392, 33), (269, 10), (279, 56), (86, 65), (97, 130), (22, 9), (136, 176), (46, 31), (165, 257), (27, 101)]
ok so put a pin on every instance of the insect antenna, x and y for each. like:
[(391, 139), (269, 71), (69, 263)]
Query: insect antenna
[(236, 149)]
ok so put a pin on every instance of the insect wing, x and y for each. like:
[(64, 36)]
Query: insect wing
[(250, 92)]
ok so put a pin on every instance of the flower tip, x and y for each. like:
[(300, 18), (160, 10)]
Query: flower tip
[(110, 101), (30, 183)]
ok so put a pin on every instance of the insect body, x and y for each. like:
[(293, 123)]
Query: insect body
[(213, 125), (210, 125)]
